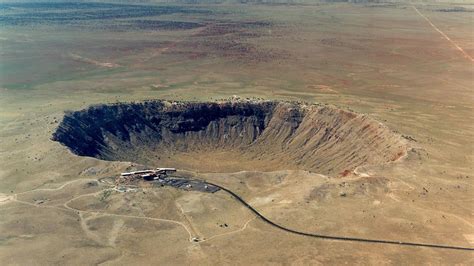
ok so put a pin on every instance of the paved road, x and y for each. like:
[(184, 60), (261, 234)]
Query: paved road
[(338, 238)]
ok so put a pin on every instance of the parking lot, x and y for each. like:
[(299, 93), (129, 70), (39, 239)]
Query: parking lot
[(186, 184)]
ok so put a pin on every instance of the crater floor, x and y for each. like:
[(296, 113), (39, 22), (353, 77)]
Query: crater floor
[(230, 136)]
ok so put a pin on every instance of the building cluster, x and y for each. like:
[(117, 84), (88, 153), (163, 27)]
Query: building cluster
[(128, 178), (161, 177)]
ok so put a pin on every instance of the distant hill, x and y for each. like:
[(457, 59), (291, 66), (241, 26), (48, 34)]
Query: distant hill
[(270, 2), (298, 1)]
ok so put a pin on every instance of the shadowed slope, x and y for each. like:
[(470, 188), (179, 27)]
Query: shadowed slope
[(311, 137)]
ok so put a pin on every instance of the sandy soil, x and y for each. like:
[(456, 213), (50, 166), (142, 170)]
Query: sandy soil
[(386, 61)]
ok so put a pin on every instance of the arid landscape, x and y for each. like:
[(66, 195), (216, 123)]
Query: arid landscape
[(303, 133)]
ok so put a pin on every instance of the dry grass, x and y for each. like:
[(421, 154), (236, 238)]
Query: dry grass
[(384, 60)]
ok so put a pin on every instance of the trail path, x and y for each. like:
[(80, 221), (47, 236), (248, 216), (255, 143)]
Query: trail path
[(55, 189), (466, 55), (338, 238), (238, 198), (80, 213), (231, 232), (196, 232)]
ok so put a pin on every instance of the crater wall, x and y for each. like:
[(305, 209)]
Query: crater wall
[(311, 137)]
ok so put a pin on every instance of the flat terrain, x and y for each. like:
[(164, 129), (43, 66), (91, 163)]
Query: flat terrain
[(390, 61)]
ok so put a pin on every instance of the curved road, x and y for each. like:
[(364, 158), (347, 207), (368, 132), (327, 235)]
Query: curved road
[(338, 238)]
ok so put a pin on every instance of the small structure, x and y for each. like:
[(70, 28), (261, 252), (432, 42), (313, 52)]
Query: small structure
[(149, 177), (165, 170), (137, 172), (149, 174), (161, 176), (128, 178)]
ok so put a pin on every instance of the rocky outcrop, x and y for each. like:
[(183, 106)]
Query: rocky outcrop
[(311, 137)]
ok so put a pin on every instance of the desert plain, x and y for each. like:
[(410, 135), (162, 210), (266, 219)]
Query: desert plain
[(406, 66)]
